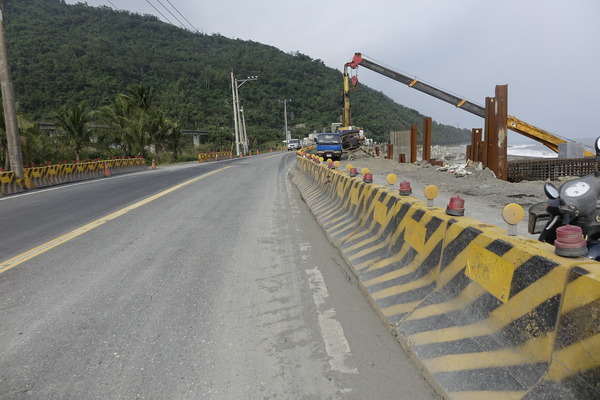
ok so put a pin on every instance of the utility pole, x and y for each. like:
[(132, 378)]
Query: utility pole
[(8, 102), (239, 118), (244, 134), (235, 113), (287, 133), (239, 136)]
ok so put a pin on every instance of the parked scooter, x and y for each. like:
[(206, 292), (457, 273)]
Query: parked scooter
[(573, 204)]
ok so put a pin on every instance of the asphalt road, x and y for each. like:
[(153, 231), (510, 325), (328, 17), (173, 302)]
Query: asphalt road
[(221, 288)]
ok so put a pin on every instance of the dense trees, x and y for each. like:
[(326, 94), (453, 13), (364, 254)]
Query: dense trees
[(66, 55), (134, 125), (129, 126), (74, 123)]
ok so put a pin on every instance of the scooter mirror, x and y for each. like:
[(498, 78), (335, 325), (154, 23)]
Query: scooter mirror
[(551, 191), (597, 145)]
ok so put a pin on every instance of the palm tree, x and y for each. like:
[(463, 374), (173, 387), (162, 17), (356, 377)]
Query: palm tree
[(135, 125), (74, 122), (37, 146), (139, 133), (175, 141), (141, 96), (118, 116), (160, 129)]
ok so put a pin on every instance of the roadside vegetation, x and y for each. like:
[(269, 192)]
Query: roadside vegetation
[(128, 127), (123, 84)]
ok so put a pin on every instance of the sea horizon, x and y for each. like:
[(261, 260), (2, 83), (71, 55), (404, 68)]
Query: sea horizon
[(531, 148)]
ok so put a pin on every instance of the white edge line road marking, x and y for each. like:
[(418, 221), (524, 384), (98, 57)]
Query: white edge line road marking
[(13, 262), (336, 344)]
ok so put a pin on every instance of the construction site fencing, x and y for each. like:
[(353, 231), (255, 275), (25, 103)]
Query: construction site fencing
[(553, 169)]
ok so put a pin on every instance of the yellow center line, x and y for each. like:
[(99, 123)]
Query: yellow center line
[(28, 255), (275, 155)]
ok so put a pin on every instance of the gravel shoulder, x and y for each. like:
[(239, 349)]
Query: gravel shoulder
[(485, 196), (476, 182)]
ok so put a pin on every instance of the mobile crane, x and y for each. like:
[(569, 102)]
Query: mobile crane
[(352, 136), (513, 123)]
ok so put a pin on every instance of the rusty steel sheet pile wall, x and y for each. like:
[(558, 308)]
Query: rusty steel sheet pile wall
[(39, 177), (487, 315)]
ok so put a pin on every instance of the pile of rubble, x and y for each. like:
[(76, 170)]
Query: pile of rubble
[(473, 178)]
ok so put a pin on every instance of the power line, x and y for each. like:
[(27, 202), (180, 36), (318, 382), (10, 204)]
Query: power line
[(158, 11), (183, 16), (115, 7), (173, 15), (164, 16)]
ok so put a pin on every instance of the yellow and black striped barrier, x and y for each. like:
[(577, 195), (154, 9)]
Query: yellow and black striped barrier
[(39, 177), (488, 315), (9, 184), (214, 156), (575, 357)]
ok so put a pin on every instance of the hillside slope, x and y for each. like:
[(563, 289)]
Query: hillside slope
[(65, 54)]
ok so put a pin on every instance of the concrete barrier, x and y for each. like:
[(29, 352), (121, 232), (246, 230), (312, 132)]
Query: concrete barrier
[(214, 155), (487, 315), (9, 184), (39, 177), (574, 367)]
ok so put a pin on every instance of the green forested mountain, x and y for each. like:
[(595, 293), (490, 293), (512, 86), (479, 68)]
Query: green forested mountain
[(62, 55)]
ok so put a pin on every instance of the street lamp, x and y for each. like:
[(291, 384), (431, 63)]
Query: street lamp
[(244, 135), (235, 85), (287, 133)]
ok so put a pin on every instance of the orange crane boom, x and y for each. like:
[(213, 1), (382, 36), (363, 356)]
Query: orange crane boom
[(513, 123)]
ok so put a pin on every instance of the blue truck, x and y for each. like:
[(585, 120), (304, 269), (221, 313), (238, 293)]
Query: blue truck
[(329, 145)]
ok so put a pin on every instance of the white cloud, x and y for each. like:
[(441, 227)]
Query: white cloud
[(547, 51)]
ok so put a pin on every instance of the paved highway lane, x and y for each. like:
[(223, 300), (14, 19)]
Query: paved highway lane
[(40, 215), (224, 288)]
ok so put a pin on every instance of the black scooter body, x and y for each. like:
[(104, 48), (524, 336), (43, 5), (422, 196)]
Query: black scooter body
[(574, 202)]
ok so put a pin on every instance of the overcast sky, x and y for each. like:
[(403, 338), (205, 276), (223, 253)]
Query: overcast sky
[(547, 51)]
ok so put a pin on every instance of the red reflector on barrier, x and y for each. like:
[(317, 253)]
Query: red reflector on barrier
[(456, 207), (569, 241), (405, 189)]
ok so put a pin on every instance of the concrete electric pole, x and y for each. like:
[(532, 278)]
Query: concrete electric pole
[(240, 129), (235, 114), (8, 102), (287, 133)]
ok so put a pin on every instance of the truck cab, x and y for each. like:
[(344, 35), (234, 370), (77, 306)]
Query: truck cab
[(329, 145), (294, 144)]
